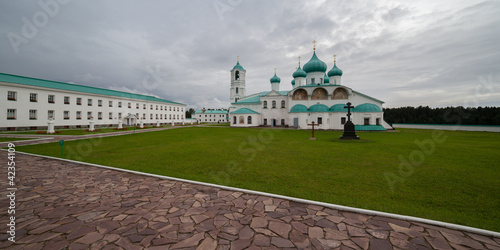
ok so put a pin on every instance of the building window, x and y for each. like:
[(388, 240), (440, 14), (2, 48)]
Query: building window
[(151, 106), (161, 116), (170, 108), (137, 115), (320, 120), (66, 100), (89, 115), (144, 106), (157, 116), (52, 99), (151, 116), (129, 105), (274, 104), (312, 80), (282, 122), (265, 121), (377, 121), (242, 120), (50, 114), (12, 96), (367, 121), (110, 115), (265, 105), (120, 116), (78, 101), (33, 97), (177, 108), (89, 102), (342, 120), (66, 115), (283, 104), (161, 107), (156, 107), (99, 103), (137, 105), (236, 90), (119, 104), (32, 114), (78, 115), (99, 115), (249, 120), (11, 114), (110, 103)]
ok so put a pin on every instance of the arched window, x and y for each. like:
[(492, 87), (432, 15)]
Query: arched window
[(242, 120), (234, 119), (249, 120), (283, 104), (236, 90), (299, 94), (339, 93), (265, 104), (274, 104), (236, 75), (319, 94)]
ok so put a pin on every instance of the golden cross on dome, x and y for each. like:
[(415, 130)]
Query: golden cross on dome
[(275, 71), (314, 47), (299, 61), (334, 58), (238, 58)]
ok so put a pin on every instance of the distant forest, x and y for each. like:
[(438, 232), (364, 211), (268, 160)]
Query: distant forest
[(448, 115)]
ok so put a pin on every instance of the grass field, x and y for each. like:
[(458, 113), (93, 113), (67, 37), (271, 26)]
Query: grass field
[(454, 177), (4, 139)]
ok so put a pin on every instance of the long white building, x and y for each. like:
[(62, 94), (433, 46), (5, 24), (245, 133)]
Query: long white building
[(210, 116), (316, 96), (29, 103)]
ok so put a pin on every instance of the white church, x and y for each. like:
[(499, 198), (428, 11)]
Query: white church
[(317, 96)]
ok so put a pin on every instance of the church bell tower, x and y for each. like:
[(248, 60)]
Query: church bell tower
[(237, 82)]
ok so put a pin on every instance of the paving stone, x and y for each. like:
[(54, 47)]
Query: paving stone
[(281, 243), (282, 229), (361, 242), (258, 222), (316, 232), (90, 238), (460, 240), (379, 234), (261, 240), (208, 244), (356, 232)]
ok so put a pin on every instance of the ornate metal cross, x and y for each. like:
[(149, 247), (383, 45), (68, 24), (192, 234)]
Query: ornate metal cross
[(349, 107)]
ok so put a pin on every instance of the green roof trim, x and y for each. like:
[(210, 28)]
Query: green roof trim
[(210, 112), (319, 108), (367, 107), (369, 128), (299, 108), (244, 111), (76, 88), (338, 108)]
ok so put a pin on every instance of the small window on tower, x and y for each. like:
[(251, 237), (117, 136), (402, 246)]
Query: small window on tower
[(236, 76), (236, 90)]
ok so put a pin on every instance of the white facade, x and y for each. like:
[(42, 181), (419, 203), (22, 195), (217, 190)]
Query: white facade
[(313, 98), (210, 116), (29, 106)]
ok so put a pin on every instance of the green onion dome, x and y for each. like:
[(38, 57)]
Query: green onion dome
[(293, 82), (326, 79), (275, 78), (299, 73), (335, 71), (315, 65), (238, 66)]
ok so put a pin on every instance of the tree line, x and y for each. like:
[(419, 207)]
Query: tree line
[(448, 115)]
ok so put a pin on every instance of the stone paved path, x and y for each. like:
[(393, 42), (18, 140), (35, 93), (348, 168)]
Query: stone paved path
[(66, 205)]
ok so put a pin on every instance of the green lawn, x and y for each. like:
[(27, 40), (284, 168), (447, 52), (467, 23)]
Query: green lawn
[(454, 178), (4, 139), (80, 131)]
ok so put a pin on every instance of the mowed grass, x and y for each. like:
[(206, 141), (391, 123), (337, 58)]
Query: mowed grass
[(455, 178)]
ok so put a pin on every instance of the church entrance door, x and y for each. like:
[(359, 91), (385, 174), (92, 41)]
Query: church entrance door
[(296, 122), (273, 122)]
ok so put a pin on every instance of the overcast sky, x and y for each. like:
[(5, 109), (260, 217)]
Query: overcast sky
[(406, 53)]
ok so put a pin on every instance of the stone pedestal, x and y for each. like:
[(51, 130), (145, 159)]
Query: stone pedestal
[(91, 126), (120, 124), (50, 127), (349, 132), (141, 124), (157, 124)]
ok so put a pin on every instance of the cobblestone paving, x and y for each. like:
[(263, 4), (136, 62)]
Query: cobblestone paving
[(66, 205)]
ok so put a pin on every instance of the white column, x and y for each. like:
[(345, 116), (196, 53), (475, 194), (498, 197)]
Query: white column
[(120, 124), (173, 124), (183, 123), (50, 128), (158, 123), (91, 127), (141, 124)]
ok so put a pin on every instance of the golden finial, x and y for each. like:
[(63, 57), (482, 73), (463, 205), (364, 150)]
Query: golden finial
[(238, 57), (275, 71), (334, 58), (299, 61), (314, 47)]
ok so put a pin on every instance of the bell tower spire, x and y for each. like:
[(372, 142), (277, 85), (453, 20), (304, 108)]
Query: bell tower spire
[(237, 90)]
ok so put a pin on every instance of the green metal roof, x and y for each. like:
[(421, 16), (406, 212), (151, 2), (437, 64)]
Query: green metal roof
[(326, 79), (318, 84), (275, 78), (338, 108), (335, 71), (211, 112), (299, 73), (293, 82), (319, 108), (299, 108), (244, 111), (77, 88), (369, 128), (238, 66), (315, 65), (255, 98), (367, 107)]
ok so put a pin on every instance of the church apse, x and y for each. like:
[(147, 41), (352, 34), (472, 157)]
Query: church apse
[(299, 94), (339, 94), (319, 94)]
